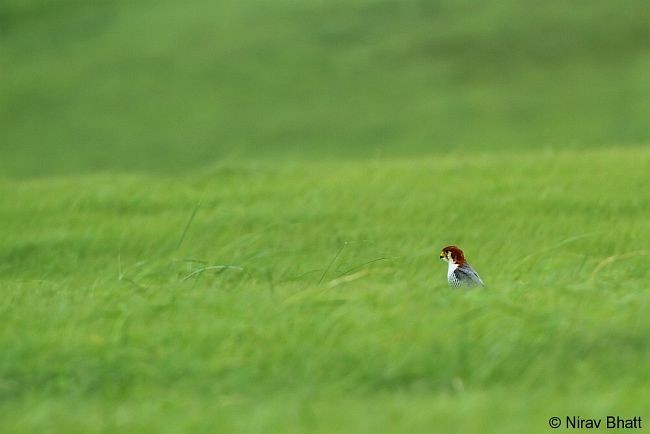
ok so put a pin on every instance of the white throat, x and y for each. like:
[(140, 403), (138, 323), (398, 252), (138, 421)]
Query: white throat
[(452, 267)]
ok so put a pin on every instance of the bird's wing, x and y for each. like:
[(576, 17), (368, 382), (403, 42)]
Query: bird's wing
[(467, 275)]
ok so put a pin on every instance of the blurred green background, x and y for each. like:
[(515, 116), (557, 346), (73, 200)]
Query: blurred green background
[(170, 86), (260, 251)]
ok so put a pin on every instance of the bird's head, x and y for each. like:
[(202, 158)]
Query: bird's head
[(452, 254)]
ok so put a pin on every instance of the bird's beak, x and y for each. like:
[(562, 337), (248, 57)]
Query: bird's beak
[(442, 255)]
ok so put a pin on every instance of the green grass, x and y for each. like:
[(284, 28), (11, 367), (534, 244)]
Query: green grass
[(166, 85), (339, 319), (226, 216)]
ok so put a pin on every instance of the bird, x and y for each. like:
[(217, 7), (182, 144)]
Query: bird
[(460, 273)]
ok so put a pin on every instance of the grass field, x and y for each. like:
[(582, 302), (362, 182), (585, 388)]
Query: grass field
[(166, 85), (334, 315), (226, 216)]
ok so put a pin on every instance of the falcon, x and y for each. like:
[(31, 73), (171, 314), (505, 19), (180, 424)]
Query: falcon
[(460, 273)]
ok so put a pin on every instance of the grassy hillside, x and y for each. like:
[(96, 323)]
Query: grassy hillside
[(171, 85), (333, 315), (226, 216)]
